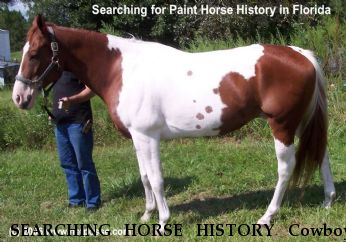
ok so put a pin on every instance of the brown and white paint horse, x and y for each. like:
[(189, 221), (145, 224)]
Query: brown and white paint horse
[(156, 92)]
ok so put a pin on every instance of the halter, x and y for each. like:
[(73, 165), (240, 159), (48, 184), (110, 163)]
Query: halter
[(54, 62), (39, 81)]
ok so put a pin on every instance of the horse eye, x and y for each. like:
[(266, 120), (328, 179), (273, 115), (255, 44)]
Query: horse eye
[(33, 57)]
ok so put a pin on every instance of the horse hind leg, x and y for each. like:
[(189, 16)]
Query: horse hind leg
[(326, 175), (329, 188), (286, 162)]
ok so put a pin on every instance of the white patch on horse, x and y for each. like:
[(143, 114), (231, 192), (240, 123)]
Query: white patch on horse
[(19, 89), (25, 50), (157, 93)]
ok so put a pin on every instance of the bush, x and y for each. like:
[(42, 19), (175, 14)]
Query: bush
[(328, 41), (31, 129), (181, 30), (18, 128)]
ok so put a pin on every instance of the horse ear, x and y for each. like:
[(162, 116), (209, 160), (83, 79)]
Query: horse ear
[(40, 23)]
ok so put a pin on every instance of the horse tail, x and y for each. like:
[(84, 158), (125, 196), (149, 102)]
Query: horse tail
[(313, 130)]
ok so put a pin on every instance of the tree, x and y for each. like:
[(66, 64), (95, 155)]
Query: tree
[(69, 13), (180, 29), (16, 24)]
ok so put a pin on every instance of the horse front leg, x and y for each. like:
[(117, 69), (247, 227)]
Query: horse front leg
[(150, 204), (149, 149), (286, 163), (329, 188)]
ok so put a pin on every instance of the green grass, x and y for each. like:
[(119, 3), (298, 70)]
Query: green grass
[(216, 181)]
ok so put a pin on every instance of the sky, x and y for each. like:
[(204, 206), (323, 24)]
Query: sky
[(19, 6)]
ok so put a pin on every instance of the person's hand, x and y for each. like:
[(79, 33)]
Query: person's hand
[(64, 103)]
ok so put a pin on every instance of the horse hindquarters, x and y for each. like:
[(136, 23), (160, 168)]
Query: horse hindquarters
[(301, 94)]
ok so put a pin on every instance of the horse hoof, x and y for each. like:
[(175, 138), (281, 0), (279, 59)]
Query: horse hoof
[(161, 232), (263, 221), (329, 200), (145, 218)]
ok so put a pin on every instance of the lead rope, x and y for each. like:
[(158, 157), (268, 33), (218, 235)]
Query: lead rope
[(45, 94), (55, 61)]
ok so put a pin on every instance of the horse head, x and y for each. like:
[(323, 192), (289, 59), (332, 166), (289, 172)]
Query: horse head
[(39, 66)]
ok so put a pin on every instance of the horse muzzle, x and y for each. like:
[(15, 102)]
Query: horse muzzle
[(23, 97)]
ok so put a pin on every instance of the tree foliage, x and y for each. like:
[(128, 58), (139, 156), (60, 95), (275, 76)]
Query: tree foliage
[(69, 13), (181, 30), (16, 24)]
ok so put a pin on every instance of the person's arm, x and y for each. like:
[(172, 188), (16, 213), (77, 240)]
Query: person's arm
[(83, 96)]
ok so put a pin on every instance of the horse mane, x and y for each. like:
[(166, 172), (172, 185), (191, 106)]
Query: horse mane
[(87, 33)]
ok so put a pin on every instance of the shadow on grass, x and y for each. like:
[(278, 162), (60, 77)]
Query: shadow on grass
[(173, 186), (214, 206)]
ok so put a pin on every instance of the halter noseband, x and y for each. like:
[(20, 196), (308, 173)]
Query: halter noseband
[(54, 62)]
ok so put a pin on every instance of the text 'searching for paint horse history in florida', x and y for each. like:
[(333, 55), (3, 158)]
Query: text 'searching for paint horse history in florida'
[(239, 9)]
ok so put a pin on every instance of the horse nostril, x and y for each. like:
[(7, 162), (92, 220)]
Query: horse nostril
[(18, 99)]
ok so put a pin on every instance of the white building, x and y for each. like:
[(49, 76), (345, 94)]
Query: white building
[(8, 69), (5, 53)]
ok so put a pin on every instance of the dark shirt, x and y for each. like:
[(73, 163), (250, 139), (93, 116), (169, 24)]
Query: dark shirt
[(68, 86)]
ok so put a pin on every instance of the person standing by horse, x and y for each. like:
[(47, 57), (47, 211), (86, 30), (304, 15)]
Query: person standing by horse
[(73, 118)]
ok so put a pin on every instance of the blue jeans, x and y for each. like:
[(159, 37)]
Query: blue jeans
[(75, 153)]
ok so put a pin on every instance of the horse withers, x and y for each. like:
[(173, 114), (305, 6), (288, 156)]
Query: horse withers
[(156, 92)]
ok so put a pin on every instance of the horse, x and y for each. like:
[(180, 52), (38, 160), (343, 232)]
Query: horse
[(155, 92)]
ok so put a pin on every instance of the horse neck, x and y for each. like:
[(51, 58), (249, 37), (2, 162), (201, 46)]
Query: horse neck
[(86, 54)]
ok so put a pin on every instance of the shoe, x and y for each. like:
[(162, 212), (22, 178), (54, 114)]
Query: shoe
[(92, 209), (70, 205)]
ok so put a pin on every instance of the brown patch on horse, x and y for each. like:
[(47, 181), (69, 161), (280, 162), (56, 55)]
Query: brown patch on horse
[(199, 116), (216, 90), (112, 97), (198, 126), (104, 72), (239, 96), (285, 86), (208, 109), (189, 73)]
